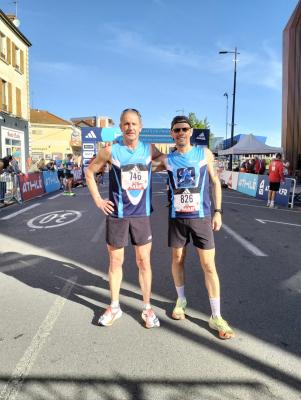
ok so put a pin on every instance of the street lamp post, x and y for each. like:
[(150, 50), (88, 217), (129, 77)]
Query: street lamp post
[(235, 52), (227, 101)]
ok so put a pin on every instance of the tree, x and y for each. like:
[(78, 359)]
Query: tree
[(198, 123)]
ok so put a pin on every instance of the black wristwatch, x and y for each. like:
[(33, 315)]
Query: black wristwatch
[(219, 210)]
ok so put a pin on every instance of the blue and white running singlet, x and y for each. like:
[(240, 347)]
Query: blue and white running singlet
[(130, 180), (189, 184)]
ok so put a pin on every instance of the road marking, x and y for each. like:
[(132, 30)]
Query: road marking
[(14, 385), (263, 206), (264, 221), (247, 245), (20, 211), (99, 232), (54, 197), (54, 219)]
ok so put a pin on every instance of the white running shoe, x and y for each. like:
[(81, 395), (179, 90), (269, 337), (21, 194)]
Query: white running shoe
[(150, 319), (110, 316)]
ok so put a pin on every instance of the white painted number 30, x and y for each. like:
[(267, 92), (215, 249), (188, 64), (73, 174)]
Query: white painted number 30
[(54, 219)]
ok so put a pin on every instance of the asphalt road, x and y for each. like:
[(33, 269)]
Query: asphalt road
[(54, 286)]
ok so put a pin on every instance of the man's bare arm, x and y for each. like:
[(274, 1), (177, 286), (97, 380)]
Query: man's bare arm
[(103, 157), (216, 191)]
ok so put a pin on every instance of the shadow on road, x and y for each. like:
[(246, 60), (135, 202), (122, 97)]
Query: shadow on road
[(51, 276), (123, 388)]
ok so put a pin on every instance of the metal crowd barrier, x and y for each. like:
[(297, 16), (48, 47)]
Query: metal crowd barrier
[(9, 188)]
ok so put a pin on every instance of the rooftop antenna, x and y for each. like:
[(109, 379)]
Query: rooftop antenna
[(16, 21)]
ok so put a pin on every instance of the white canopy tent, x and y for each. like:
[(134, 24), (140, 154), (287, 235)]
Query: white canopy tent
[(250, 145)]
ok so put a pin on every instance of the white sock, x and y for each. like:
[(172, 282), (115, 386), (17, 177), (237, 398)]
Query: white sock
[(215, 304), (268, 203), (115, 304), (146, 306), (272, 203), (180, 291)]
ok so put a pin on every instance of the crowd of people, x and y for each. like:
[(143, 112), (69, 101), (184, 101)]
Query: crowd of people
[(260, 166)]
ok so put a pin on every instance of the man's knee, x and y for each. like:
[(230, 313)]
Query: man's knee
[(143, 262), (116, 261), (209, 267)]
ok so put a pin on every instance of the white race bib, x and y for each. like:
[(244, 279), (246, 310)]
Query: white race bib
[(187, 202), (135, 178)]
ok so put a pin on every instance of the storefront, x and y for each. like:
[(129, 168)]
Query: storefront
[(14, 139)]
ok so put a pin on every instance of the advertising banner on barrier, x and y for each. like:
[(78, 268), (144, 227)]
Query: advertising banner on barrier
[(31, 185), (51, 181), (282, 197), (234, 182), (77, 175), (247, 183), (228, 178)]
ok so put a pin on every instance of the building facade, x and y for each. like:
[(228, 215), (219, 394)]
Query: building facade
[(52, 137), (14, 90), (291, 91)]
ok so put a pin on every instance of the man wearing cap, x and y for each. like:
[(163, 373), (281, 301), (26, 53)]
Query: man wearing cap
[(128, 210), (189, 169)]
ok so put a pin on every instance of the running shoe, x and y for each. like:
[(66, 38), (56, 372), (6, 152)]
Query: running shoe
[(150, 319), (179, 310), (110, 316), (71, 194), (222, 326)]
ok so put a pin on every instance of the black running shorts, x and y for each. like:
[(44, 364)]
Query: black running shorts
[(274, 186), (118, 230), (200, 229)]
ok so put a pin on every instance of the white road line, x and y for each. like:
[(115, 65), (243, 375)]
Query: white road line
[(247, 245), (20, 211), (54, 197), (14, 385), (264, 221), (263, 206), (99, 232)]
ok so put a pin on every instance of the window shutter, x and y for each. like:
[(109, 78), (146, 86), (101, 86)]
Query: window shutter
[(8, 50), (0, 94), (13, 54), (18, 102), (22, 61), (10, 98)]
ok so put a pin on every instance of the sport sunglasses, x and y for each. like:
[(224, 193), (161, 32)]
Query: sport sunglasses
[(178, 130)]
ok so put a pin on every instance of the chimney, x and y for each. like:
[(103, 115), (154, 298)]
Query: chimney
[(13, 19)]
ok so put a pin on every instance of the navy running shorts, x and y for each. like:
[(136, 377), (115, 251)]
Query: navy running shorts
[(119, 229), (200, 230)]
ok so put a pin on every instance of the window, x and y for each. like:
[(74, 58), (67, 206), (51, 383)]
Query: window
[(3, 95), (3, 49), (17, 58)]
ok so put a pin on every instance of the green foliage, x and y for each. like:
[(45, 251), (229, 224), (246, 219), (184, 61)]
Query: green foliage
[(198, 123)]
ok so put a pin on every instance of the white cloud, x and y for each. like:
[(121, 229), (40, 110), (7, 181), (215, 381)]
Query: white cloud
[(130, 43), (54, 67)]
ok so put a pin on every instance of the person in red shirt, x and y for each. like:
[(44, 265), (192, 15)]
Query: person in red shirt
[(275, 177)]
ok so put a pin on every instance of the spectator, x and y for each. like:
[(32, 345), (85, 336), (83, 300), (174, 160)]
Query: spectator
[(259, 166), (50, 165), (286, 170), (275, 177)]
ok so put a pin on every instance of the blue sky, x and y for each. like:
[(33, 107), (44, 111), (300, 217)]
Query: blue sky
[(99, 57)]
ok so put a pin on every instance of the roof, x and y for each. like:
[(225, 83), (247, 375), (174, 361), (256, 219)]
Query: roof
[(250, 145), (45, 117), (13, 27)]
